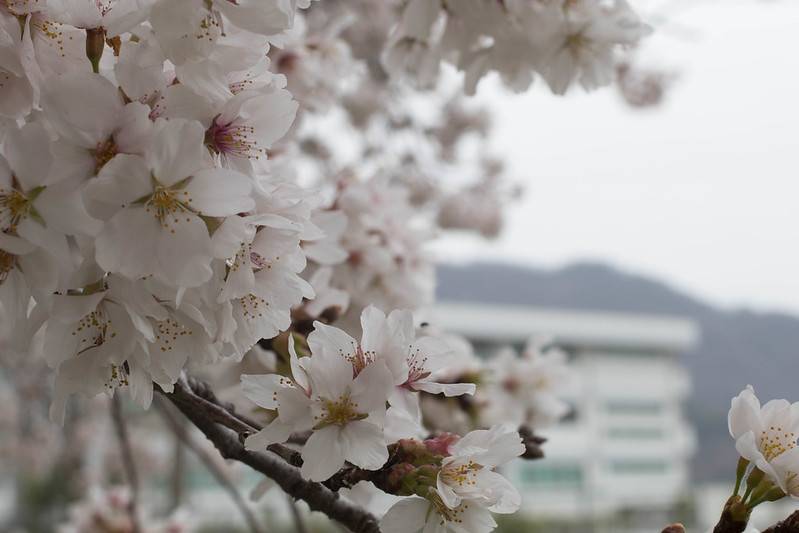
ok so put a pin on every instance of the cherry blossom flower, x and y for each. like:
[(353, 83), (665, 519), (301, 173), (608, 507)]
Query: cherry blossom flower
[(766, 436), (346, 412), (467, 488), (468, 473), (93, 122), (166, 200), (392, 340)]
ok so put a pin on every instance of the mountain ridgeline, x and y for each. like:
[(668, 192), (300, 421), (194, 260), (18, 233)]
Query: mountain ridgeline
[(737, 347)]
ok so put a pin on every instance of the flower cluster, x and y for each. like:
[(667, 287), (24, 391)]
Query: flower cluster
[(109, 512), (561, 40), (454, 484), (341, 391), (523, 389), (155, 213), (765, 437), (138, 210)]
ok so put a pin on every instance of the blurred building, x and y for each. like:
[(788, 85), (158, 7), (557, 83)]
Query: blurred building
[(624, 448)]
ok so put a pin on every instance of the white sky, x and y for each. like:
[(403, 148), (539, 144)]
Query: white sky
[(701, 192)]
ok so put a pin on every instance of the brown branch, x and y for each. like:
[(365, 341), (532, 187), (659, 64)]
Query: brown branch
[(127, 461), (734, 516), (227, 432), (532, 443), (789, 525), (200, 394), (180, 432)]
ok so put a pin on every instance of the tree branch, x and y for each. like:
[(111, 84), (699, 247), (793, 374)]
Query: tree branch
[(127, 461), (180, 431), (789, 525), (227, 432)]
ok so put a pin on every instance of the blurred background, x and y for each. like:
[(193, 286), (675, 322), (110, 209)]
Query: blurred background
[(682, 212), (652, 241)]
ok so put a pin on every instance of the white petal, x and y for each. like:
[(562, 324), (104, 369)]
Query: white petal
[(405, 516), (322, 454), (178, 150), (364, 445), (82, 107), (127, 244), (262, 389), (220, 192), (28, 152)]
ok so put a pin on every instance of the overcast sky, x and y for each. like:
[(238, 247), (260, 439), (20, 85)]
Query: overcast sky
[(701, 192)]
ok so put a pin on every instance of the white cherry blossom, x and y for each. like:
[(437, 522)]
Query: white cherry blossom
[(346, 412), (167, 200), (764, 434)]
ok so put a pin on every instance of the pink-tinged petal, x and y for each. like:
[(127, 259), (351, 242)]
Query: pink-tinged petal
[(332, 341), (15, 245), (262, 17), (87, 373), (220, 192), (123, 16), (259, 441), (183, 251), (270, 115), (123, 180), (509, 500), (375, 330), (79, 13), (29, 154), (364, 444), (330, 374), (229, 237), (127, 244), (49, 239), (262, 389), (400, 322), (61, 206), (405, 516), (407, 401), (746, 446), (493, 446), (295, 408), (372, 388), (178, 150), (475, 519), (322, 455), (42, 274), (16, 96), (297, 371), (239, 282), (136, 129), (178, 101), (438, 353), (449, 389), (786, 467), (141, 386), (82, 107)]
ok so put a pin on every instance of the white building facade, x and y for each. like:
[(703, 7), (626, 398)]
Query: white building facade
[(626, 445)]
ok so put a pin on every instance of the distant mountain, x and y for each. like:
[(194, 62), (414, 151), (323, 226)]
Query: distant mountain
[(737, 347)]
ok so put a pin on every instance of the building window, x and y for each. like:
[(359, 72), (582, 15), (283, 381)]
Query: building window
[(636, 433), (552, 475), (638, 467), (634, 407)]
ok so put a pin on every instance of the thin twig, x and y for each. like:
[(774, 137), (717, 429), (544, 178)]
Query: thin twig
[(180, 431), (295, 511), (228, 440), (127, 461)]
